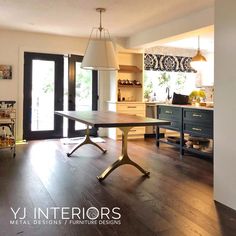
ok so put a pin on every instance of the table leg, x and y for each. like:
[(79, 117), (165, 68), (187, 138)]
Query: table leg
[(87, 140), (124, 158)]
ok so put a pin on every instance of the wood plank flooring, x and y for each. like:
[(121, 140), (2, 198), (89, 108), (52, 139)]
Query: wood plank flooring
[(177, 199)]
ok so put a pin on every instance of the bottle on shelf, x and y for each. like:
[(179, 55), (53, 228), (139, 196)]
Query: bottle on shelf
[(154, 98), (119, 96), (3, 133)]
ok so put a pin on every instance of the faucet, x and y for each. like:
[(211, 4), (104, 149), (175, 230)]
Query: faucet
[(168, 93)]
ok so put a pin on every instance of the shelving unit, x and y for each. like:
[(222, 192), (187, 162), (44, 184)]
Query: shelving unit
[(131, 69), (7, 126), (131, 73)]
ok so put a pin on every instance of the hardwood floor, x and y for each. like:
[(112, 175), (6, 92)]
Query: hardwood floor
[(175, 200)]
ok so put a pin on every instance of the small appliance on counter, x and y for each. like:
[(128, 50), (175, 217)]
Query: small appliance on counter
[(180, 99)]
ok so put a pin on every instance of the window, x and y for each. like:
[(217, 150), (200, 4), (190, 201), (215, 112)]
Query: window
[(156, 82)]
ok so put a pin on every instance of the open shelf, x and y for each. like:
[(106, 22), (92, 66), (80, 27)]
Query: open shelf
[(7, 146), (129, 86), (129, 69), (199, 152), (164, 140)]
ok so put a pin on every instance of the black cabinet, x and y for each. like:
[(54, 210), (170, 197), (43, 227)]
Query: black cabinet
[(172, 114), (197, 122), (175, 116)]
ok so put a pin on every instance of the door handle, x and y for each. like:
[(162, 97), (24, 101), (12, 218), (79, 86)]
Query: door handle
[(196, 129), (197, 115), (168, 112)]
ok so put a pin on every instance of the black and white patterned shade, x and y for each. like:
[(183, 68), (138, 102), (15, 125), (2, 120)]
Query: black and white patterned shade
[(167, 63)]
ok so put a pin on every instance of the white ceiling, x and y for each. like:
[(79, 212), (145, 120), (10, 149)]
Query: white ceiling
[(123, 18), (206, 42)]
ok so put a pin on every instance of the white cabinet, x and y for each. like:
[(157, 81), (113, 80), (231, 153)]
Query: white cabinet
[(128, 81), (205, 75), (132, 108)]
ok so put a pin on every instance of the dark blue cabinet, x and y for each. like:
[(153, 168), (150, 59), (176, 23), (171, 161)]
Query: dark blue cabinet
[(197, 122)]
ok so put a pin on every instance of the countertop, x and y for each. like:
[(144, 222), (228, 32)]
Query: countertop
[(125, 102), (164, 104), (188, 106)]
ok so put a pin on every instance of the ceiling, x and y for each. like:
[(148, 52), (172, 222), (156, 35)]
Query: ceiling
[(123, 18), (206, 41)]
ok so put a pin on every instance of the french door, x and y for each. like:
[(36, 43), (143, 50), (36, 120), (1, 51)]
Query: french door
[(46, 85), (43, 94), (83, 94)]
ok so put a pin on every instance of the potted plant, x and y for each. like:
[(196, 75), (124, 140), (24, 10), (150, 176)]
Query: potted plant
[(197, 96), (147, 91)]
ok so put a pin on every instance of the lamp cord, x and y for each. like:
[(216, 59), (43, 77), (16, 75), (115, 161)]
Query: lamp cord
[(100, 26), (198, 42)]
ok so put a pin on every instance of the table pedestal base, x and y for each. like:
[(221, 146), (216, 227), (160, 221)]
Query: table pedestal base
[(124, 158), (87, 140)]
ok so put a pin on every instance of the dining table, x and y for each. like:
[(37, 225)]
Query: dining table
[(109, 119)]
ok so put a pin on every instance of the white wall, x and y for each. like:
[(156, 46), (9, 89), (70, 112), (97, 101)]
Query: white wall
[(12, 47), (225, 103)]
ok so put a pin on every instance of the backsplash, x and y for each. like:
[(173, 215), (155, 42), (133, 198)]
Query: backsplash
[(209, 91)]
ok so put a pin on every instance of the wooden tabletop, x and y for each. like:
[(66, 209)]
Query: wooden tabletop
[(110, 119)]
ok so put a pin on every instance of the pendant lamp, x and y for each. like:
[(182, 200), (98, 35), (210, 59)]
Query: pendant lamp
[(100, 53), (198, 58)]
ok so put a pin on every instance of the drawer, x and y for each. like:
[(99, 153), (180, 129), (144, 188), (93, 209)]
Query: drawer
[(169, 113), (198, 115), (133, 131), (130, 107), (137, 113), (198, 129)]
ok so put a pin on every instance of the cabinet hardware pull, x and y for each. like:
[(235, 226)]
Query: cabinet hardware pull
[(197, 115), (131, 106), (197, 129), (133, 130), (168, 112)]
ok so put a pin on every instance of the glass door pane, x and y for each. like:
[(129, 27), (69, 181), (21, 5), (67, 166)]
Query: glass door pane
[(43, 94), (83, 92), (43, 89)]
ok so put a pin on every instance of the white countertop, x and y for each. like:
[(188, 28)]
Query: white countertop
[(155, 103), (188, 106), (125, 102)]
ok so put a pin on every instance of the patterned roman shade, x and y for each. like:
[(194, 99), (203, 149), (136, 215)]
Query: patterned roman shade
[(167, 63)]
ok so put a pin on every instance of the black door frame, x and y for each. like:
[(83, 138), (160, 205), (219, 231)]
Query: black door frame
[(59, 92), (71, 96)]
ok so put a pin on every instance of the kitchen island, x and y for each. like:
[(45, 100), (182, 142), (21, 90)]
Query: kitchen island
[(196, 122)]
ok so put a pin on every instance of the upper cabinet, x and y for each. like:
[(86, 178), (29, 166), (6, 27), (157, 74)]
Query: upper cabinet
[(205, 77), (128, 80)]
